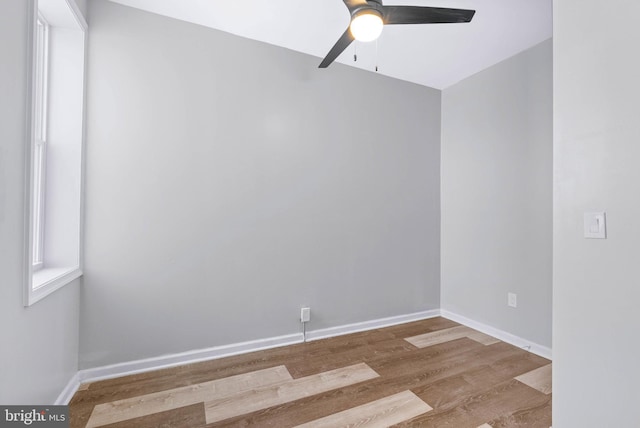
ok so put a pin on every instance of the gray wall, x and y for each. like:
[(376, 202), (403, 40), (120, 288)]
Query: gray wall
[(230, 182), (497, 195), (596, 153), (39, 353)]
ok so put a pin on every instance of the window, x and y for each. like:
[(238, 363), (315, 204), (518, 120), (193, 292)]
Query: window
[(40, 137), (53, 232)]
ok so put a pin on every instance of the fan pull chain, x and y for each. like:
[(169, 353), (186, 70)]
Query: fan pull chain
[(376, 55), (355, 52)]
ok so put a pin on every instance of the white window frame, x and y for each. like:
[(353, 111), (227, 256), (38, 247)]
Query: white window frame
[(41, 88), (50, 264)]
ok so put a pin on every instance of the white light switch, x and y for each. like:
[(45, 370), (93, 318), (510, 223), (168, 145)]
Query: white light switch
[(595, 225)]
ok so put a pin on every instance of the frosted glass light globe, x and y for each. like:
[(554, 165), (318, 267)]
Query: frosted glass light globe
[(366, 27)]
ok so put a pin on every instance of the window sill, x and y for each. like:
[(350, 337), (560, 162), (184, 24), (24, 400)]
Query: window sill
[(47, 280)]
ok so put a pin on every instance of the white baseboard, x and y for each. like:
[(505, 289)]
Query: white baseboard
[(67, 393), (370, 325), (195, 356), (530, 346)]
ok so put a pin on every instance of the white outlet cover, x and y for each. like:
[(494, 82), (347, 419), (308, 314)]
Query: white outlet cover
[(512, 300), (595, 225)]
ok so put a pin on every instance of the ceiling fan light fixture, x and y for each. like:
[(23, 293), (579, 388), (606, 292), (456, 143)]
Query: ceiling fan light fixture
[(366, 26), (369, 16)]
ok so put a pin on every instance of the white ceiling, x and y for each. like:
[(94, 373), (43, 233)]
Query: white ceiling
[(436, 55)]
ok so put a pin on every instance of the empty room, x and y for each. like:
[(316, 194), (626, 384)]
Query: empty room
[(332, 214)]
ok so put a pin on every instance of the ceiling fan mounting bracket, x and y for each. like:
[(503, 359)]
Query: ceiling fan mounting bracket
[(374, 6)]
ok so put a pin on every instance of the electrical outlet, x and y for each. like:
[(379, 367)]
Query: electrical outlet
[(595, 225), (305, 314), (512, 300)]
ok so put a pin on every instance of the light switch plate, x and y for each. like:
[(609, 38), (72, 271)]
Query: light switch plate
[(595, 225)]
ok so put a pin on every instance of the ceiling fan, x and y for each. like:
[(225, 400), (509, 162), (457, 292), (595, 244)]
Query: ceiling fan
[(369, 16)]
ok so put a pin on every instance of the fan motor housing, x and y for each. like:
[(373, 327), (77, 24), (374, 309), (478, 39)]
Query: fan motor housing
[(373, 6)]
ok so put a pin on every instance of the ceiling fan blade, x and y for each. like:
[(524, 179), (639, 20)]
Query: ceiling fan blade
[(354, 4), (337, 49), (424, 15)]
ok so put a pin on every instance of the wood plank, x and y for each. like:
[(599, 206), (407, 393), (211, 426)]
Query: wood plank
[(539, 379), (445, 365), (449, 334), (381, 413), (480, 406), (144, 405), (419, 327), (485, 339), (284, 392), (365, 352), (489, 370), (538, 416), (189, 416)]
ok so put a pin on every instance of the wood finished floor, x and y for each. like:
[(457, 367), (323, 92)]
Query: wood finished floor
[(431, 373)]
